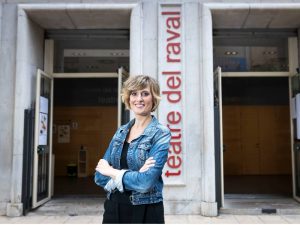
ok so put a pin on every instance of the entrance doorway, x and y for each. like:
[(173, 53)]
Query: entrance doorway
[(88, 74), (253, 126), (256, 136), (85, 118), (86, 44)]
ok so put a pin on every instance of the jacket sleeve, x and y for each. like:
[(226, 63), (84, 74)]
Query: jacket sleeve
[(100, 179), (144, 181)]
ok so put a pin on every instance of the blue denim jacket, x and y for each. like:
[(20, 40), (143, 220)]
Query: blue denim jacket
[(146, 186)]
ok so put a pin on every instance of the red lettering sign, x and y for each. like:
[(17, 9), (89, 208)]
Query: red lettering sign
[(172, 85)]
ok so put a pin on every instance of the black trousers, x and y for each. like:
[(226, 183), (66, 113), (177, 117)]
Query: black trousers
[(118, 209)]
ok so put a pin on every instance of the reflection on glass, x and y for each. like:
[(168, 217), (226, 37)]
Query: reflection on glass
[(251, 55), (93, 64), (88, 55), (43, 150)]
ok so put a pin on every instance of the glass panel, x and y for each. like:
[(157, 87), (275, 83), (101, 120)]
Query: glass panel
[(295, 90), (297, 167), (255, 54), (86, 92), (87, 56), (93, 64), (44, 139), (255, 91)]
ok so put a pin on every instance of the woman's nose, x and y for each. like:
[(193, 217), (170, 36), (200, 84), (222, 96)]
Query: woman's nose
[(139, 97)]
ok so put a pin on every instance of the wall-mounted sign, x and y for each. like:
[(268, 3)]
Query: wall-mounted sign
[(171, 81), (63, 133)]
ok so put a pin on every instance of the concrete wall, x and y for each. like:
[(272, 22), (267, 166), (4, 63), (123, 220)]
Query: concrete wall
[(179, 199), (186, 199), (29, 57), (8, 29)]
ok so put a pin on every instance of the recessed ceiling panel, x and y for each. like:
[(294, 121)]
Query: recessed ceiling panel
[(81, 18), (52, 19)]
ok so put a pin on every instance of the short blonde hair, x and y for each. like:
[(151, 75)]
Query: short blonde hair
[(140, 82)]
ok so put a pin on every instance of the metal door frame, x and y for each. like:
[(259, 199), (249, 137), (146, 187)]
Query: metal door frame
[(35, 201), (122, 76)]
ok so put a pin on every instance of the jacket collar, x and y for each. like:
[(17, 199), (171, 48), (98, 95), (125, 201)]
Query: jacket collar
[(148, 130)]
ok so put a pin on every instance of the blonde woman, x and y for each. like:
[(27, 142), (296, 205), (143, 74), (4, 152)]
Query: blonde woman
[(131, 168)]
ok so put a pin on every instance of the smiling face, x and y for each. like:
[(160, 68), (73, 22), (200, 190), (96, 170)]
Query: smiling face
[(141, 102)]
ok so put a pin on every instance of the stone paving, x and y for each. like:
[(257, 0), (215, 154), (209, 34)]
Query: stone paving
[(32, 218), (90, 210)]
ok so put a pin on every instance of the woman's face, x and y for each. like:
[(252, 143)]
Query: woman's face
[(141, 102)]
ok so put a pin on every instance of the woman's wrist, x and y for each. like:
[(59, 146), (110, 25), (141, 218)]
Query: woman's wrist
[(113, 173)]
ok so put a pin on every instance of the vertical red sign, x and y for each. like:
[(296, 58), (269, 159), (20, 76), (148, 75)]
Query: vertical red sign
[(171, 81)]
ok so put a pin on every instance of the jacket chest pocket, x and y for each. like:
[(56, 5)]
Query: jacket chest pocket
[(115, 151), (143, 152)]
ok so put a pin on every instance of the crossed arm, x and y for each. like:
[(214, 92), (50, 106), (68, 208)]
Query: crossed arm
[(116, 175), (105, 169), (142, 180)]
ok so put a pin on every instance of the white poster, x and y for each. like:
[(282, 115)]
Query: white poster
[(298, 115), (43, 128), (293, 108), (43, 121), (44, 102), (63, 133)]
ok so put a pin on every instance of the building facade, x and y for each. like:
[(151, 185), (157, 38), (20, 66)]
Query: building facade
[(56, 57)]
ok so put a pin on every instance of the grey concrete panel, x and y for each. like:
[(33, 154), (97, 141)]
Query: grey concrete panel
[(7, 79), (29, 58), (100, 19), (150, 34), (286, 20), (192, 111), (229, 19), (258, 20), (110, 1), (136, 40), (52, 19), (41, 1)]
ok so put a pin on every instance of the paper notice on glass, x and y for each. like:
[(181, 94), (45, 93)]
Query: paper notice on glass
[(298, 115), (43, 128), (63, 133), (293, 108), (44, 104)]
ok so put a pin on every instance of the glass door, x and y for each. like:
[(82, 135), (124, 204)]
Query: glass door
[(123, 114), (42, 154), (295, 117), (218, 136)]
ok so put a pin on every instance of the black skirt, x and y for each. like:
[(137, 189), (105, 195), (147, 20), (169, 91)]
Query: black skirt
[(119, 209)]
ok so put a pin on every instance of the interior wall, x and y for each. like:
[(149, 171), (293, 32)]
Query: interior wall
[(256, 126), (91, 127), (256, 140)]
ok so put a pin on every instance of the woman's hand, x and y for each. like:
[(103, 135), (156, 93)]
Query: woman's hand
[(105, 169), (149, 163)]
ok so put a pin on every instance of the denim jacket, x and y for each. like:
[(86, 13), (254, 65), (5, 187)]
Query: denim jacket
[(146, 186)]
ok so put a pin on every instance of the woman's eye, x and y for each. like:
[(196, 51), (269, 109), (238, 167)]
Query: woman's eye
[(133, 93), (145, 94)]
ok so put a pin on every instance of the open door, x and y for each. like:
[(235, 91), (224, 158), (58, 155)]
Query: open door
[(218, 137), (295, 124), (123, 115), (42, 139)]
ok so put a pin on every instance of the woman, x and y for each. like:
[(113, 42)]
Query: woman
[(131, 168)]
